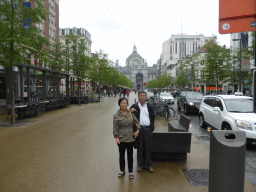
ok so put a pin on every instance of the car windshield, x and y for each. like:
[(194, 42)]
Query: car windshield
[(239, 105), (165, 94), (194, 96)]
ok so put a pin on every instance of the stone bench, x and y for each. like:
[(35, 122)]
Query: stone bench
[(174, 144)]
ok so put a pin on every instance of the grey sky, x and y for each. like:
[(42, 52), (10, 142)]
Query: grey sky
[(115, 25)]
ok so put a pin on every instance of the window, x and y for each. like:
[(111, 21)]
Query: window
[(218, 104), (209, 101), (170, 49), (175, 47)]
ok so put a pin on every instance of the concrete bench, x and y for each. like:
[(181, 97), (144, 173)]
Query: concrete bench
[(174, 144), (183, 125)]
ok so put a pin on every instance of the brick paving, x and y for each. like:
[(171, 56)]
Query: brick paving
[(73, 149)]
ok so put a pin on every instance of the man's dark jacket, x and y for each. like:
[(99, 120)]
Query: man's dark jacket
[(150, 111)]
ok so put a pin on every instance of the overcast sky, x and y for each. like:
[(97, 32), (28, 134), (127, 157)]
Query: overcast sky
[(115, 25)]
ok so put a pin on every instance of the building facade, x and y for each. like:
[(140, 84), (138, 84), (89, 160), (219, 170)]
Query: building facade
[(180, 46), (81, 32), (137, 70)]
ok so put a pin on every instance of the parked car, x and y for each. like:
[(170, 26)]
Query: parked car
[(189, 101), (166, 97), (229, 112), (150, 94)]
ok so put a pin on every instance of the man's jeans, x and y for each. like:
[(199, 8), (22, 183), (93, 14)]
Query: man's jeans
[(144, 147)]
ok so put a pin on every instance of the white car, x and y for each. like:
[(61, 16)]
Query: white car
[(166, 97), (229, 112)]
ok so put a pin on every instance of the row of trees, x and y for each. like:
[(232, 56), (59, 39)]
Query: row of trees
[(215, 67), (160, 82), (20, 36)]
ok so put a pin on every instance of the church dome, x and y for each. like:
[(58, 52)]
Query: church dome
[(134, 55)]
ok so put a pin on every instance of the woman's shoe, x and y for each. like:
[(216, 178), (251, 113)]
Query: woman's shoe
[(131, 177), (121, 175)]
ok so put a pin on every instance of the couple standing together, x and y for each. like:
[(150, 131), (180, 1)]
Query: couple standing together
[(142, 115)]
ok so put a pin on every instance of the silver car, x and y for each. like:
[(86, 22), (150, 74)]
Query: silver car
[(229, 112), (166, 97)]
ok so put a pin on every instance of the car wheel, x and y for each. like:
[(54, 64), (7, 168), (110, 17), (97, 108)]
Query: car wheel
[(178, 106), (226, 127), (185, 109), (201, 121)]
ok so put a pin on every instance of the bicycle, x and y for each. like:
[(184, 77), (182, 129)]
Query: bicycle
[(169, 113)]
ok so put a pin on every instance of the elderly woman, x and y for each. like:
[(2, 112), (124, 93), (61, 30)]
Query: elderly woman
[(123, 133)]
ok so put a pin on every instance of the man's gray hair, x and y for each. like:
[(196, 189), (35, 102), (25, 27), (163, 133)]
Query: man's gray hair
[(142, 92)]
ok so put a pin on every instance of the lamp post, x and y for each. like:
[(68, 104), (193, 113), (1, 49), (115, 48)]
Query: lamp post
[(240, 76)]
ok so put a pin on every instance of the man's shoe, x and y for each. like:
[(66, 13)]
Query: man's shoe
[(139, 169), (151, 170)]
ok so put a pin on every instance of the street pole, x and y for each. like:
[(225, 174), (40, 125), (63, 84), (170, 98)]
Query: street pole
[(240, 66), (99, 82), (254, 76)]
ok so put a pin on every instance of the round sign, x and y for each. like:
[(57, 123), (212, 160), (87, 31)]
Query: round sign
[(225, 26)]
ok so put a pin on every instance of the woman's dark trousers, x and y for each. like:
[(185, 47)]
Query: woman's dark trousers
[(122, 147)]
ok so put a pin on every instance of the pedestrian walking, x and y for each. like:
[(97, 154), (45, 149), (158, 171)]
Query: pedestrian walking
[(105, 92), (32, 96), (144, 112), (108, 92), (35, 93), (114, 92), (124, 135), (124, 92), (120, 93), (127, 93)]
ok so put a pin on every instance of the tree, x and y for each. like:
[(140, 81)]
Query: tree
[(101, 62), (216, 69), (182, 78), (76, 60), (20, 36)]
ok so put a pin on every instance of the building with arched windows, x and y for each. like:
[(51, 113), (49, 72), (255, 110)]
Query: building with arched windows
[(137, 70)]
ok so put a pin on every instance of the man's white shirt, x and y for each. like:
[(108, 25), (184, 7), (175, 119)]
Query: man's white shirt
[(144, 115)]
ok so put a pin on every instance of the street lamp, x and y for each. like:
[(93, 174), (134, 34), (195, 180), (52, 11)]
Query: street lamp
[(240, 63)]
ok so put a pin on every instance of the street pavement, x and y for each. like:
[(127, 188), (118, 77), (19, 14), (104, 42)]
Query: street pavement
[(73, 149)]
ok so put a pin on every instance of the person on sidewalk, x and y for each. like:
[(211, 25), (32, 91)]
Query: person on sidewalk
[(127, 93), (123, 133), (124, 92), (144, 112)]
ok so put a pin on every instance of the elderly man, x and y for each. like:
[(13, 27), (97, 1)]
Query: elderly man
[(145, 114)]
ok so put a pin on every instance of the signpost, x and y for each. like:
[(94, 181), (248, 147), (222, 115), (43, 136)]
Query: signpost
[(239, 16)]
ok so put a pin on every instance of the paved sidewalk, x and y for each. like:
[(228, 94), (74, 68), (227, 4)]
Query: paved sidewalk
[(73, 149)]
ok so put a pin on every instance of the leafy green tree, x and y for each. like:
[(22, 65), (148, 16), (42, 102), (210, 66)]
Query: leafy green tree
[(182, 78), (216, 69), (76, 60), (20, 36)]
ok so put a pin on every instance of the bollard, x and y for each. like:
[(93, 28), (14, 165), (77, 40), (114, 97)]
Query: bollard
[(227, 161)]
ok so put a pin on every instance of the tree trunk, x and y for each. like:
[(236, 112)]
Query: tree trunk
[(12, 95)]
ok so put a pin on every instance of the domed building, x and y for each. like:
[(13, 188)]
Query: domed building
[(137, 70)]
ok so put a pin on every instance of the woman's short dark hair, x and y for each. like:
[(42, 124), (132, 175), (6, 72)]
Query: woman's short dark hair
[(121, 99)]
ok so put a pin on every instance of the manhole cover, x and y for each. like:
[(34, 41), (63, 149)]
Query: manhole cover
[(197, 177)]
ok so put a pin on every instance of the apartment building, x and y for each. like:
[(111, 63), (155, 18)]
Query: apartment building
[(180, 46), (81, 32), (48, 28)]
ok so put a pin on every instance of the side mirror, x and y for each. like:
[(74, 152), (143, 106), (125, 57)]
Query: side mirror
[(216, 109)]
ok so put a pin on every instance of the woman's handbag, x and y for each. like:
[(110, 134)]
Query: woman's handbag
[(134, 127)]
